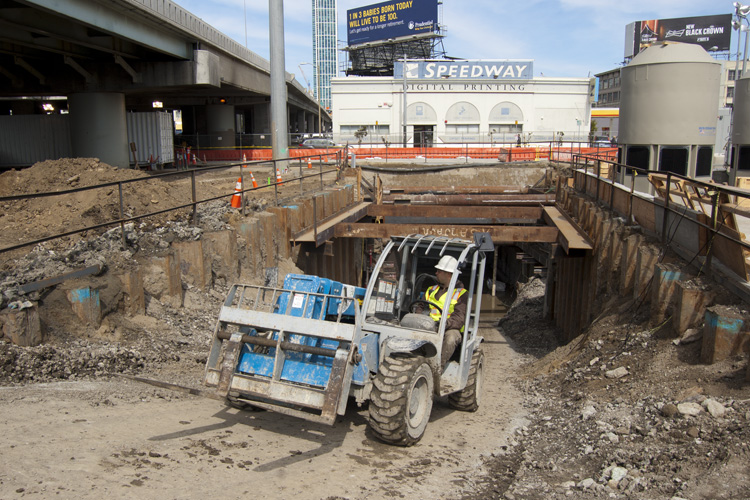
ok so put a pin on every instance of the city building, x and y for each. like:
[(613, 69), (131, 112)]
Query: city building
[(609, 89), (729, 75), (325, 34), (444, 102)]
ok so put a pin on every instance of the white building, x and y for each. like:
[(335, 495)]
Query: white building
[(461, 102)]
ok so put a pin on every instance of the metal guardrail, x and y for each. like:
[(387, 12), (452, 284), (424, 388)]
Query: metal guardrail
[(192, 172), (717, 196)]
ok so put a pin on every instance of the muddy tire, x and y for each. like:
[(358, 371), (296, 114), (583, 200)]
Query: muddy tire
[(470, 397), (401, 400)]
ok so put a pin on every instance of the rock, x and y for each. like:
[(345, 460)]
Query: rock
[(617, 372), (690, 409), (613, 438), (568, 485), (716, 409), (586, 483), (691, 335), (618, 473), (693, 432), (588, 412), (669, 410)]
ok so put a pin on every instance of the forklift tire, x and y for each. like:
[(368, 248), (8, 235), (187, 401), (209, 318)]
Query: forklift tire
[(401, 400), (470, 397)]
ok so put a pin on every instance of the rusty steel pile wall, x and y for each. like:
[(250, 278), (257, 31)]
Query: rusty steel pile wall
[(627, 264)]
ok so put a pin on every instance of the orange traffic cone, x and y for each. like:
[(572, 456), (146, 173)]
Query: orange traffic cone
[(252, 178), (309, 163), (244, 160), (278, 177), (237, 198)]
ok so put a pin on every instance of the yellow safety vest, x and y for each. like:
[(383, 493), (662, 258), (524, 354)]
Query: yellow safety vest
[(430, 296)]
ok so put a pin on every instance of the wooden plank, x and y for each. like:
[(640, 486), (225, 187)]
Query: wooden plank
[(571, 236), (499, 234), (325, 227)]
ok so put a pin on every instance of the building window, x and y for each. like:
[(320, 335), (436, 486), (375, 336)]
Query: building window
[(743, 162), (673, 159), (730, 92), (704, 160), (459, 128), (505, 128), (731, 75), (638, 156), (374, 132)]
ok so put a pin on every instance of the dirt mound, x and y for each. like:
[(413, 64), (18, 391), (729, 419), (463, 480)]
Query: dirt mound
[(29, 219)]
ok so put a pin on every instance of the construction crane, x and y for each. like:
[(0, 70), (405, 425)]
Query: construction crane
[(309, 89)]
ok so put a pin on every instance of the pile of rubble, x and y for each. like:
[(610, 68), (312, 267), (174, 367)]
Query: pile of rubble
[(622, 412)]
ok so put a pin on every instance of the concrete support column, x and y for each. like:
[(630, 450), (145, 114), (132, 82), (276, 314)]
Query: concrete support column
[(98, 128), (261, 123), (220, 124), (301, 122)]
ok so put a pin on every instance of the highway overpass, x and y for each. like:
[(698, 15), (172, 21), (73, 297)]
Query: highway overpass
[(109, 57)]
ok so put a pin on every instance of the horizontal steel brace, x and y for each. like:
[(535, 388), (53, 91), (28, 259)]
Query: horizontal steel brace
[(499, 234)]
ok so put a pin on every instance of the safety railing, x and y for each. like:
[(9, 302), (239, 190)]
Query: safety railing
[(720, 213), (322, 170)]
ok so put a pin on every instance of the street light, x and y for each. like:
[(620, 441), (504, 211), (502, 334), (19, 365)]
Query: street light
[(740, 12), (317, 91)]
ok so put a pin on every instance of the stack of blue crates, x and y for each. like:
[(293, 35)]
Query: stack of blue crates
[(311, 369)]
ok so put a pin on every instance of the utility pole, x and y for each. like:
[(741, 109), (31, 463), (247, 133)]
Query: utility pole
[(404, 99), (279, 127)]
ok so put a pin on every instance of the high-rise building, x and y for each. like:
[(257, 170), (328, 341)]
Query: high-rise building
[(325, 64)]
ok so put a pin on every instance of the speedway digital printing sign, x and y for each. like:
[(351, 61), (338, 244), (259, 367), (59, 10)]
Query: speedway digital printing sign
[(394, 19), (710, 32), (466, 70)]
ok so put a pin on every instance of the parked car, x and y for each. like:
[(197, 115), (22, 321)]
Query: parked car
[(319, 144)]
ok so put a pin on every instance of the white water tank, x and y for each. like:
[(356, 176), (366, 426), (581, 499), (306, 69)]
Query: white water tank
[(669, 110), (740, 158)]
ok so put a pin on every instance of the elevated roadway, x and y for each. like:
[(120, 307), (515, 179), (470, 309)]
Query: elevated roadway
[(138, 51)]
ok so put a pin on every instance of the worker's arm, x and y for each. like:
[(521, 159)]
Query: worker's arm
[(456, 320)]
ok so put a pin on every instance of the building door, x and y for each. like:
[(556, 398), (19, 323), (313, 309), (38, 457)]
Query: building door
[(423, 136)]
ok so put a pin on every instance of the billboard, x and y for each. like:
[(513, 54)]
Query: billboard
[(466, 70), (394, 19), (713, 33)]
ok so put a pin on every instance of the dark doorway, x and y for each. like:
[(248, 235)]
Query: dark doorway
[(423, 136)]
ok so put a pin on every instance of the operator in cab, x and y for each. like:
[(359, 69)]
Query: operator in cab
[(454, 306)]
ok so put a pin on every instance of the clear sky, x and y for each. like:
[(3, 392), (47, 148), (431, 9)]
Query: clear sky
[(565, 38)]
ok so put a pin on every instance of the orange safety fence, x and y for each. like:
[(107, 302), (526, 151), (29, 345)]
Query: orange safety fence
[(262, 154), (525, 154)]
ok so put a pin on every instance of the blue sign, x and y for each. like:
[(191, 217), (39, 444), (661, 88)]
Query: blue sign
[(466, 70), (394, 19)]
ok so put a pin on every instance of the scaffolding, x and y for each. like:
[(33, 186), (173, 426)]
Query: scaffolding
[(378, 58)]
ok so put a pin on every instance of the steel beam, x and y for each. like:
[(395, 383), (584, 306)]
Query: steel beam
[(572, 237), (471, 199), (459, 190), (500, 234), (479, 215)]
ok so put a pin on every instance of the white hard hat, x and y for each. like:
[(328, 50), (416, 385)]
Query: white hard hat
[(447, 264)]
